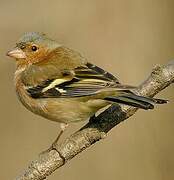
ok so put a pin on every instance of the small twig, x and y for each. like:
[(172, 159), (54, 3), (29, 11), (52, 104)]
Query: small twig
[(96, 129)]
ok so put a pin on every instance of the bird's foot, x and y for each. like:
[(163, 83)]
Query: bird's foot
[(63, 126), (52, 147)]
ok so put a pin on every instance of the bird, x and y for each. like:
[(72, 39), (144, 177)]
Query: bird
[(60, 84)]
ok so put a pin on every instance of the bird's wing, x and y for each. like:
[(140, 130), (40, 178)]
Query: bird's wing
[(83, 81)]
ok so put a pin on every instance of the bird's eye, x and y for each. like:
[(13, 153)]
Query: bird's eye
[(34, 48)]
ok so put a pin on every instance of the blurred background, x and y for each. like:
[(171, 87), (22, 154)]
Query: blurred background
[(127, 38)]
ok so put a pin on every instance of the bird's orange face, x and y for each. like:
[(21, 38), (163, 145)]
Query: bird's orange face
[(28, 53), (32, 48)]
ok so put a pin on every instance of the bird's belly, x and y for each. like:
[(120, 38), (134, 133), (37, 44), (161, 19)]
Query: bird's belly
[(70, 110), (66, 111)]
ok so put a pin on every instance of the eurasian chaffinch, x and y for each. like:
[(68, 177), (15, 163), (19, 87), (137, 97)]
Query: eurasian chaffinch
[(59, 84)]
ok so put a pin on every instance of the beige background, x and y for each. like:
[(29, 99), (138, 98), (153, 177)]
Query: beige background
[(125, 37)]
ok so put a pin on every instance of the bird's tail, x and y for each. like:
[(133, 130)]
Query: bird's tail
[(134, 100)]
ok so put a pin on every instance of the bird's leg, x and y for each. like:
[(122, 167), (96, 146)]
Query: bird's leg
[(63, 126)]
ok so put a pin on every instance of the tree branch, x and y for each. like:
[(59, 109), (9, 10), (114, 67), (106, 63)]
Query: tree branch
[(96, 128)]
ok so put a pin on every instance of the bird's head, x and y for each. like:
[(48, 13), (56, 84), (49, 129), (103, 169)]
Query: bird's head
[(32, 47)]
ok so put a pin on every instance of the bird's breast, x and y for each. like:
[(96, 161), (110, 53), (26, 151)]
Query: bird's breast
[(30, 103)]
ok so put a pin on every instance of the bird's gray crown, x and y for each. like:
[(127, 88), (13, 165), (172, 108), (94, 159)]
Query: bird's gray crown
[(38, 38)]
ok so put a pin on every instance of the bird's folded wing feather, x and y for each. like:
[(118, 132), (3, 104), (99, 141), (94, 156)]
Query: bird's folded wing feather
[(83, 81)]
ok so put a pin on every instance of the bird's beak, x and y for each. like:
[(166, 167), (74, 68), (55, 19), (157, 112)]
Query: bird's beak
[(16, 53)]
